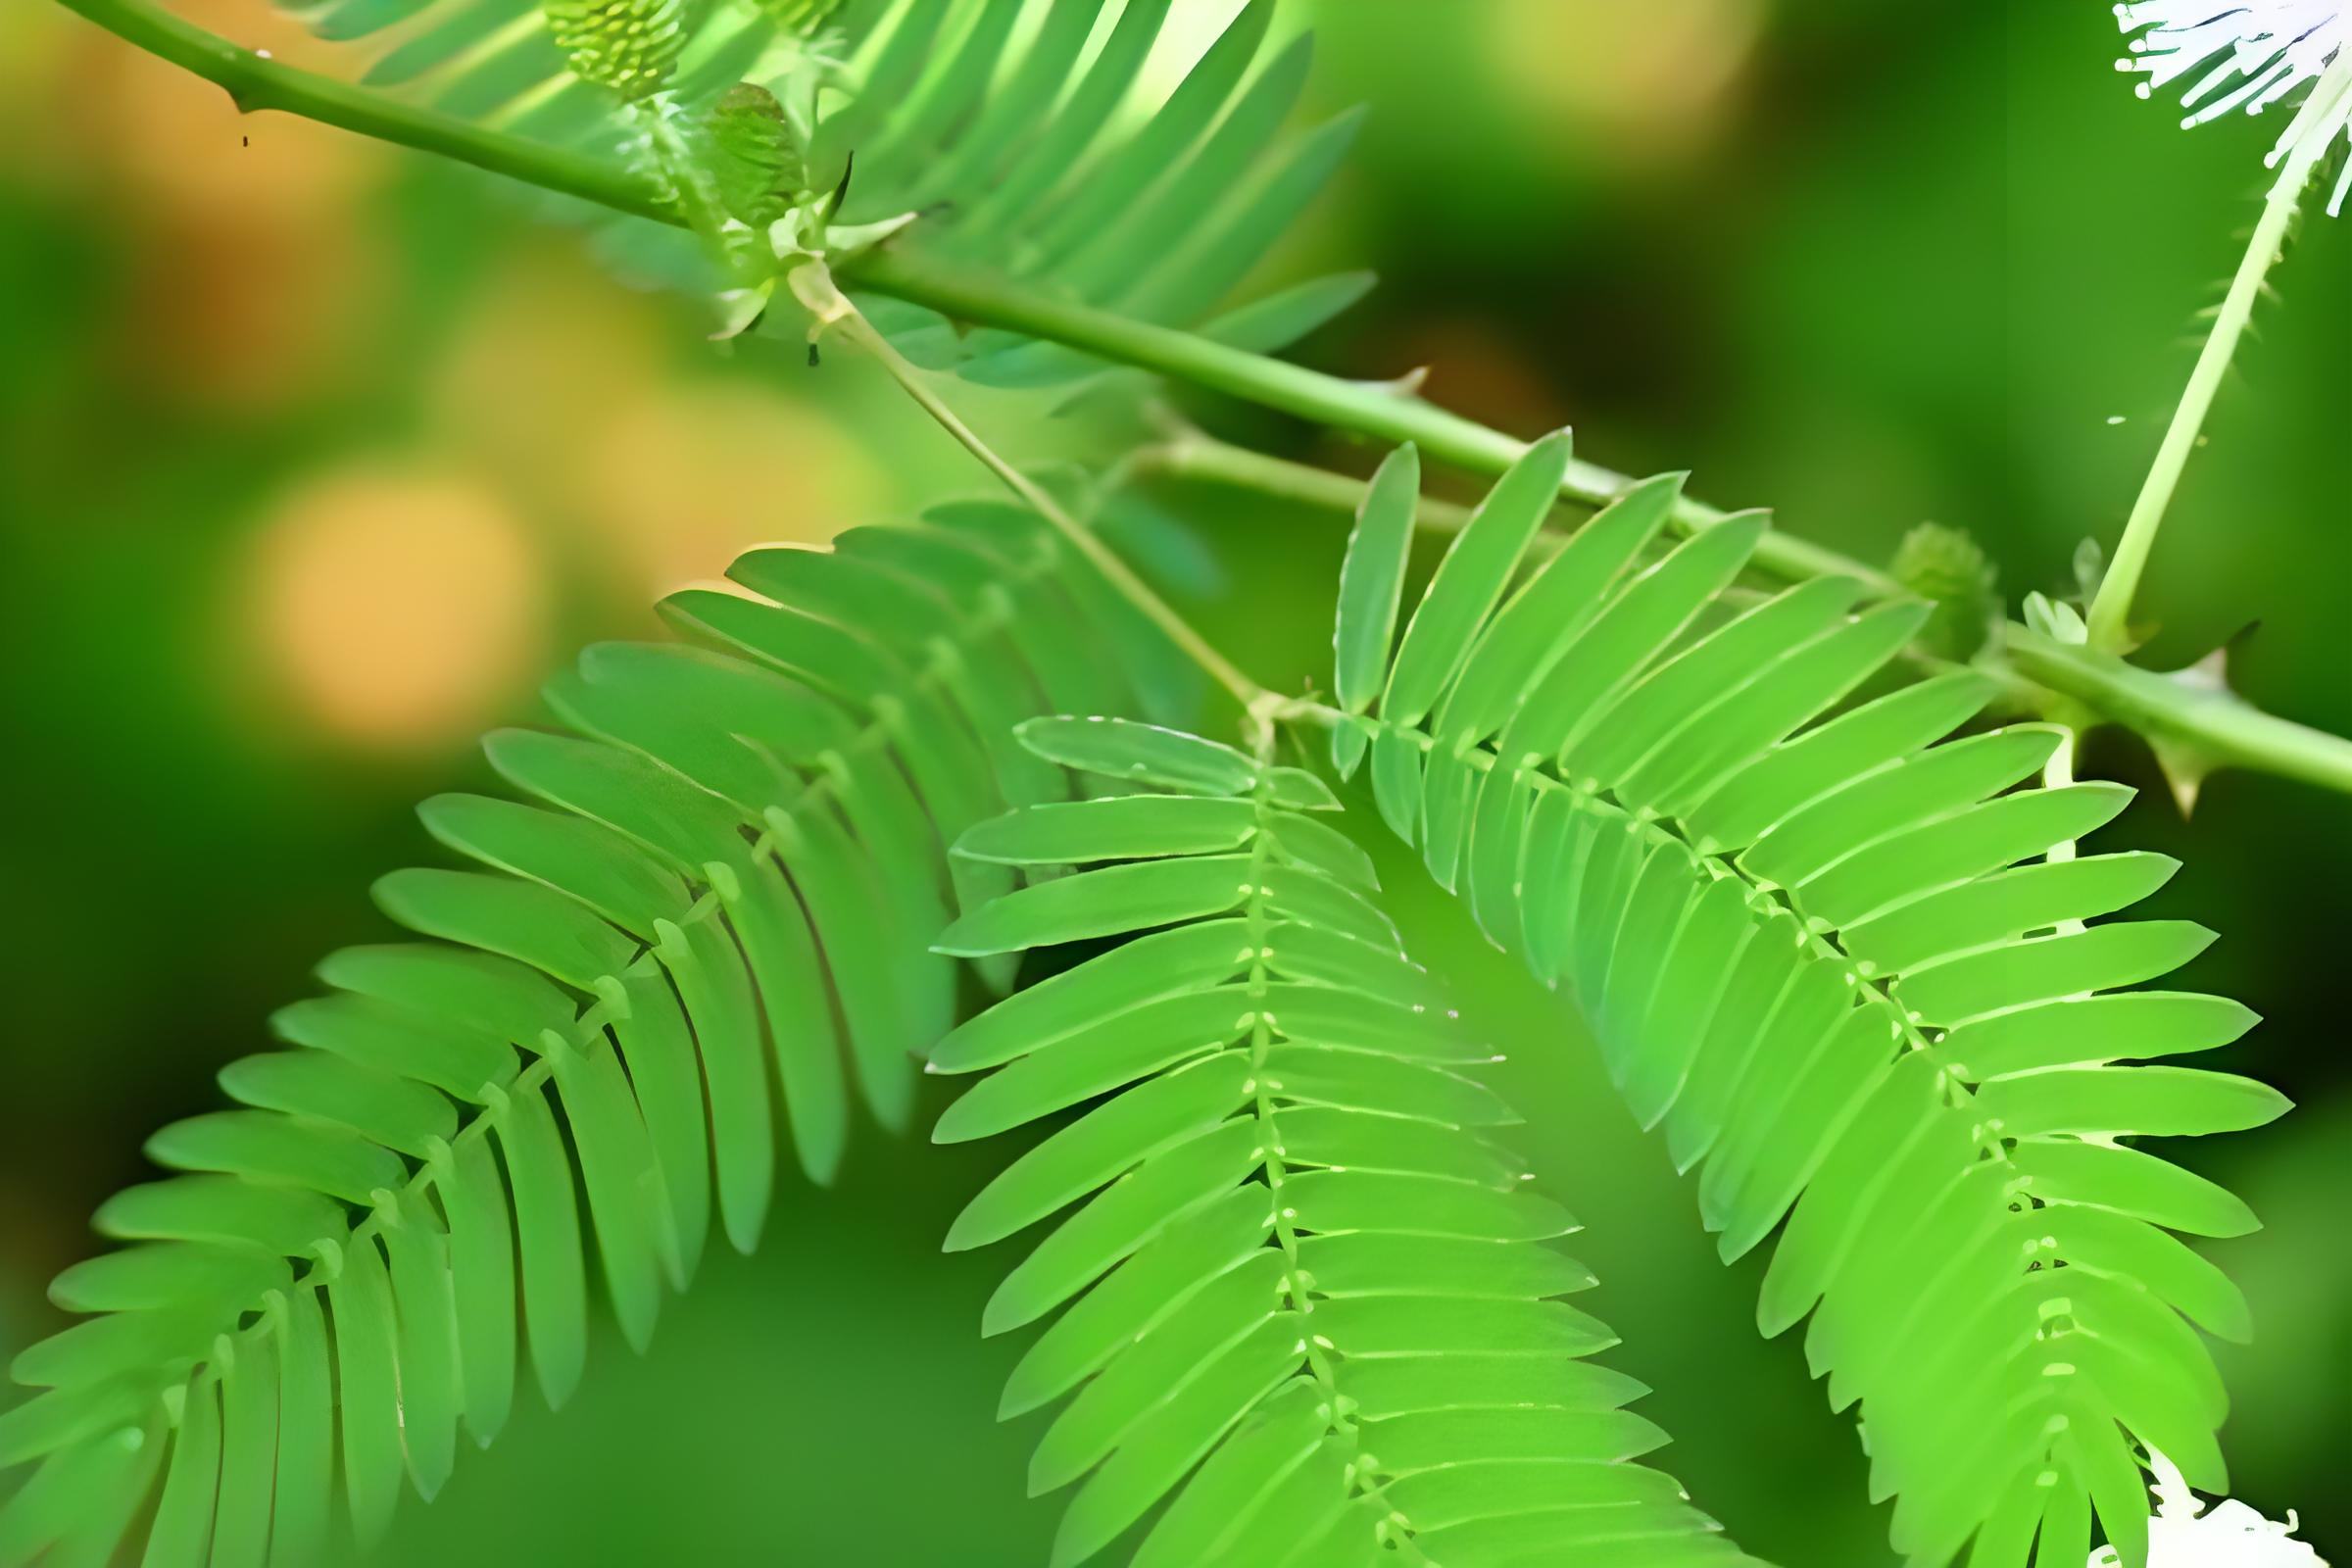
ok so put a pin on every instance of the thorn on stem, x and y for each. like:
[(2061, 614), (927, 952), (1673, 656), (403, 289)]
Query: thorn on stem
[(841, 192)]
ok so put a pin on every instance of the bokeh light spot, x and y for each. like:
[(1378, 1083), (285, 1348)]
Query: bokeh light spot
[(1634, 84), (692, 473), (396, 610)]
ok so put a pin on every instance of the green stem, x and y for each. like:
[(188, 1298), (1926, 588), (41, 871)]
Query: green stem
[(2218, 728), (1378, 412), (2111, 608), (1386, 414), (256, 83), (2222, 729), (1202, 460), (2057, 774), (813, 286), (253, 81)]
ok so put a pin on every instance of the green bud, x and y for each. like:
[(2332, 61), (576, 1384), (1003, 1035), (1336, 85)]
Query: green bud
[(1950, 569), (628, 46), (756, 157)]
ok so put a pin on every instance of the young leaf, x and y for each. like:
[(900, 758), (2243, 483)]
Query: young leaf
[(1281, 1224), (1828, 955), (744, 844)]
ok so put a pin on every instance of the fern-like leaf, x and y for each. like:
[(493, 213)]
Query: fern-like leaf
[(742, 839), (1305, 1298), (1020, 133), (1056, 181), (1839, 964)]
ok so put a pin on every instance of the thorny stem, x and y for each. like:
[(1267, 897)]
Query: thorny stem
[(1195, 457), (1382, 412), (1387, 412), (253, 81), (2217, 727), (813, 286), (2228, 731), (2111, 608)]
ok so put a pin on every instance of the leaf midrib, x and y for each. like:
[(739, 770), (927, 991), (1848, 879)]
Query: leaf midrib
[(1956, 1091), (588, 1028)]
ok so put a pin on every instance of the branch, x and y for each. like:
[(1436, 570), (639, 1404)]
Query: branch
[(1371, 410), (2208, 729), (813, 285), (2218, 729), (2110, 606), (2201, 729), (1202, 460), (255, 81)]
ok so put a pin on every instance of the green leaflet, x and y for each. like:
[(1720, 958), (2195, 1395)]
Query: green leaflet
[(1133, 827), (1158, 215), (1127, 897), (1544, 615), (547, 1229), (1100, 1147), (180, 1536), (481, 1260), (1141, 753), (1190, 112), (1470, 580), (1583, 681), (298, 1529), (397, 1112), (1294, 1274), (2003, 906), (744, 840), (1166, 963), (139, 1278), (723, 1009), (992, 119), (249, 1437), (262, 1146), (1827, 955), (367, 1389), (1130, 235), (77, 1509), (1373, 580), (1135, 1044)]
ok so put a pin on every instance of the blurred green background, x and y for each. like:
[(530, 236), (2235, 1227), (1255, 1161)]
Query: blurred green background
[(314, 457)]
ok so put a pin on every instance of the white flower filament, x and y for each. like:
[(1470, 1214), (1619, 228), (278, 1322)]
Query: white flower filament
[(2247, 54)]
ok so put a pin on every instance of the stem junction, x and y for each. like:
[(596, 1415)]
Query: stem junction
[(2217, 730)]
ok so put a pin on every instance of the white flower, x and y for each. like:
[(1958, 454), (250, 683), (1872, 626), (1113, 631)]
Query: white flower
[(2230, 1536), (2247, 53)]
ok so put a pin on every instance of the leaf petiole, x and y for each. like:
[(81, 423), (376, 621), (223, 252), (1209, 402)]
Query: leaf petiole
[(813, 284)]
